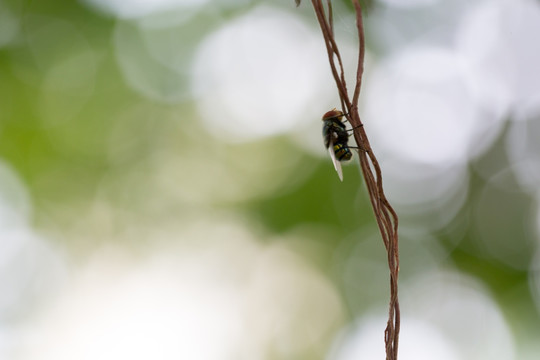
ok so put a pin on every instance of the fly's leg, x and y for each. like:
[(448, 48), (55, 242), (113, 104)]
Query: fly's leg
[(354, 128), (358, 148)]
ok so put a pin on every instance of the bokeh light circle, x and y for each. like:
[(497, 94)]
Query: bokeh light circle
[(31, 268), (433, 193), (409, 3), (449, 316), (257, 75), (463, 310), (363, 271), (500, 39), (534, 272), (523, 147), (421, 104), (420, 341), (155, 54), (9, 25), (203, 295), (140, 8)]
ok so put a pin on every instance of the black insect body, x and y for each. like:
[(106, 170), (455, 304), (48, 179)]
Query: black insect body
[(336, 139)]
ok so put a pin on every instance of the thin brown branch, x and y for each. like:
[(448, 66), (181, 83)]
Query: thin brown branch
[(333, 51), (361, 51), (386, 217), (330, 16)]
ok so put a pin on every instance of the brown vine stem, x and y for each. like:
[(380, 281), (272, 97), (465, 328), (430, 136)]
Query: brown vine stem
[(387, 219)]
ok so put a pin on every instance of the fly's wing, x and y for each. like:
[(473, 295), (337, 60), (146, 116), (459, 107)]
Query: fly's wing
[(337, 164)]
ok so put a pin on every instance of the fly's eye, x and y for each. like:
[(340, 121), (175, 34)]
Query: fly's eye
[(334, 113)]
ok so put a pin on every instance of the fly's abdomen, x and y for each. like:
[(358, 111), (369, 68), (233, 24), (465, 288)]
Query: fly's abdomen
[(342, 152)]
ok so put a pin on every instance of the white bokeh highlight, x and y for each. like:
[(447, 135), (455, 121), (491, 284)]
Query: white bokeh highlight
[(9, 25), (464, 311), (424, 115), (433, 192), (523, 147), (448, 316), (155, 54), (441, 96), (500, 38), (534, 271), (31, 268), (260, 74), (208, 294), (409, 3), (420, 341), (420, 104), (140, 8)]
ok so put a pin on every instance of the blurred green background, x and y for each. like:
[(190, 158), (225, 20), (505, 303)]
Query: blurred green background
[(164, 190)]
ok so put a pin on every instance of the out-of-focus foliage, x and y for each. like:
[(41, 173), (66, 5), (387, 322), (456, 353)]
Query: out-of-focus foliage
[(164, 190)]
